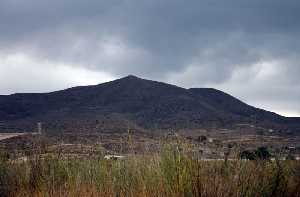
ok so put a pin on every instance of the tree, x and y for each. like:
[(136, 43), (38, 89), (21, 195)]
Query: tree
[(263, 153), (247, 155)]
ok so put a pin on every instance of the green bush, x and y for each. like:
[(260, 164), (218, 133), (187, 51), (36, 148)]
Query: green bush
[(262, 153)]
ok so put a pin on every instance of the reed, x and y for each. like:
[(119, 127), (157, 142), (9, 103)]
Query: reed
[(172, 172)]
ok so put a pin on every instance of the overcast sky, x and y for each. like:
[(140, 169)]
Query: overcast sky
[(250, 49)]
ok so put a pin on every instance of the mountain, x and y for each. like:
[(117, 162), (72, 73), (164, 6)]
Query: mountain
[(134, 103)]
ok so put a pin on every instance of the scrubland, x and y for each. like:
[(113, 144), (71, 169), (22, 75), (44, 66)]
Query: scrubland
[(171, 172)]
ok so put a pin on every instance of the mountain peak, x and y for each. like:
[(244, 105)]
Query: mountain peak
[(131, 77)]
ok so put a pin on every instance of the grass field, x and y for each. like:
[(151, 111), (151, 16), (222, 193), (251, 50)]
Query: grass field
[(172, 172)]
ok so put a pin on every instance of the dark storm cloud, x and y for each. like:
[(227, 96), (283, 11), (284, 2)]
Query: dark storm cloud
[(191, 43)]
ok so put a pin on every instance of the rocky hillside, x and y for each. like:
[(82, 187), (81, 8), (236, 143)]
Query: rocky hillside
[(135, 103)]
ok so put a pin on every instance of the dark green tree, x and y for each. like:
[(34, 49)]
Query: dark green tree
[(263, 153)]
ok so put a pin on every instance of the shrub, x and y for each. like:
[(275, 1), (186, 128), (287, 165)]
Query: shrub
[(263, 153), (247, 155)]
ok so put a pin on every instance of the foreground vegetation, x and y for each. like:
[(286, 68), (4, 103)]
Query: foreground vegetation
[(169, 173)]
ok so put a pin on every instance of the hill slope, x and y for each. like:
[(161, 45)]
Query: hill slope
[(136, 103)]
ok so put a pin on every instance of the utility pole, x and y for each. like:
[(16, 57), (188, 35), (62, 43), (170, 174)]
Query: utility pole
[(39, 128)]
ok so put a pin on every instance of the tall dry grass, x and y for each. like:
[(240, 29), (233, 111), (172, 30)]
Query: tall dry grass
[(169, 173)]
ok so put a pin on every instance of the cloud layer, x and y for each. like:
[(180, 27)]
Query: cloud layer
[(247, 48)]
